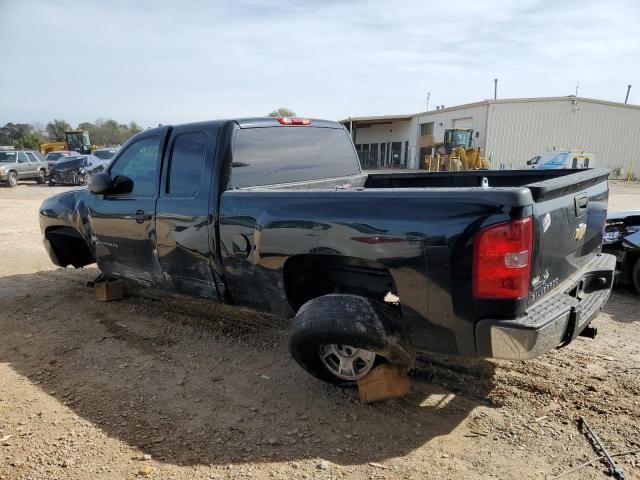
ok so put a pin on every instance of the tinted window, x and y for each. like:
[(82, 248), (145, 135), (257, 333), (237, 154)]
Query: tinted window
[(139, 162), (185, 169), (32, 157), (272, 155), (7, 156), (426, 129), (22, 157)]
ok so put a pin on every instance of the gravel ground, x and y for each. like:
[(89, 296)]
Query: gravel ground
[(188, 389)]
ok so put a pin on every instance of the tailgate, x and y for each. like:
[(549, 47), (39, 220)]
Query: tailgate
[(569, 213)]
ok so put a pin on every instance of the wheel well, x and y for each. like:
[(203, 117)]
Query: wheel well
[(69, 247), (311, 276)]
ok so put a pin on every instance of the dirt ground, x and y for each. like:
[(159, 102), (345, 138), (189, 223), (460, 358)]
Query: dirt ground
[(187, 389)]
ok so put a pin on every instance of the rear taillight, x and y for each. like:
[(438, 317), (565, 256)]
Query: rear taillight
[(502, 260), (293, 121)]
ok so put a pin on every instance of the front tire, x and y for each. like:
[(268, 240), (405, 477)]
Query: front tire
[(12, 179), (339, 338)]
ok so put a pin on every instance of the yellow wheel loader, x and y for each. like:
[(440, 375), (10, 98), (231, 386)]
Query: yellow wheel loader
[(76, 140), (455, 153)]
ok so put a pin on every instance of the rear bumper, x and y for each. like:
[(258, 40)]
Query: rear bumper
[(553, 322)]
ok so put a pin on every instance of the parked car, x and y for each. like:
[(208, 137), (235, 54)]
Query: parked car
[(275, 214), (16, 165), (106, 153), (53, 157), (75, 169), (560, 159), (622, 239)]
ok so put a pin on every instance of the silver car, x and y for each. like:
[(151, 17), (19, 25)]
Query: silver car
[(18, 165)]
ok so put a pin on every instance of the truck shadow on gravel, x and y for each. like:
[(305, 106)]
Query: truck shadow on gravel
[(623, 305), (191, 382)]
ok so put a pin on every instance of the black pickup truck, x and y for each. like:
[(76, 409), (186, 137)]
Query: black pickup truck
[(275, 214)]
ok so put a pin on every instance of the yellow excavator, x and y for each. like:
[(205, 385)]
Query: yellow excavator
[(76, 140), (454, 154)]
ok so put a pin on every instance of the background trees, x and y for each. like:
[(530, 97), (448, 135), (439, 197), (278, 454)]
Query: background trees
[(56, 129), (21, 135), (102, 132), (282, 112)]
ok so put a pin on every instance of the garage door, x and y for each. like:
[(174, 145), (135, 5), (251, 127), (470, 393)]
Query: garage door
[(463, 123)]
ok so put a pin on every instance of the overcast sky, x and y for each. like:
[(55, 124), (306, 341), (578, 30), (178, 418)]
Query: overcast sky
[(179, 61)]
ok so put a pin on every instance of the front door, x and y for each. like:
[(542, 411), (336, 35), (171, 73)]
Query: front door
[(183, 221), (123, 221)]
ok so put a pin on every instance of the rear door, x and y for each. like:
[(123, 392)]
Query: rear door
[(34, 162), (123, 222), (183, 220)]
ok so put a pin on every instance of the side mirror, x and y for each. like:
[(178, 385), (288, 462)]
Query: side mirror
[(100, 183), (529, 162), (121, 184)]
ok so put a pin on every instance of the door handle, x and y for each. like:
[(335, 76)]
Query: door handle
[(141, 217), (581, 203)]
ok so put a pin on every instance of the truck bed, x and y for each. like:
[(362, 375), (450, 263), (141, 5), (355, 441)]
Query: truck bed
[(419, 229), (541, 183)]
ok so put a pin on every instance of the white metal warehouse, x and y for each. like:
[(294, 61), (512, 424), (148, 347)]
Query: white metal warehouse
[(510, 132)]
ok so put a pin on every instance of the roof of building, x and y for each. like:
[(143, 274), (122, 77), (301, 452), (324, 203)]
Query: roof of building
[(378, 119), (390, 118)]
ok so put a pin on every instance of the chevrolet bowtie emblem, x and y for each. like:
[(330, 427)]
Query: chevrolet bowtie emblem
[(580, 231)]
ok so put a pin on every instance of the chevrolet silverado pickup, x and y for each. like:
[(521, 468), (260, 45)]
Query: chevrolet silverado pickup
[(276, 214)]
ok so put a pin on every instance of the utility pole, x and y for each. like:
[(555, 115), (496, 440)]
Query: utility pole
[(626, 99), (429, 96), (495, 88)]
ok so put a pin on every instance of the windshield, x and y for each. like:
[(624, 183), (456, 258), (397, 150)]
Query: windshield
[(559, 159), (74, 139), (54, 156), (461, 138), (105, 154), (8, 157)]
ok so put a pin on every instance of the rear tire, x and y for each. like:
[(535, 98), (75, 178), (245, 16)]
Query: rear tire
[(345, 321), (12, 179), (635, 275), (42, 177)]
